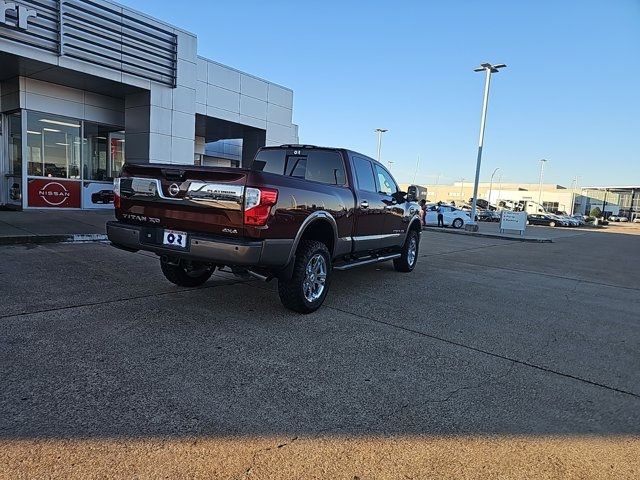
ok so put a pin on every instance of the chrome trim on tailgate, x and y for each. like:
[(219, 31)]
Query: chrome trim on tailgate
[(229, 197), (218, 195)]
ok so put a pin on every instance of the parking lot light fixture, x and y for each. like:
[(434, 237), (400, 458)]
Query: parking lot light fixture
[(542, 162), (491, 186), (380, 131), (488, 69)]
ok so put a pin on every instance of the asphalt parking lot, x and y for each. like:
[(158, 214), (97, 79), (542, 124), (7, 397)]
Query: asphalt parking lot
[(493, 359)]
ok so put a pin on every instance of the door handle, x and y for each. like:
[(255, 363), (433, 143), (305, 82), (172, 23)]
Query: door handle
[(364, 204)]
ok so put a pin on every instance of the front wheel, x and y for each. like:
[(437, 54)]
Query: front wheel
[(306, 290), (552, 224), (187, 273), (458, 223), (409, 256)]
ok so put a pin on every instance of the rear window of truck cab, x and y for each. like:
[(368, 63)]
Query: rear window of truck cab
[(316, 165)]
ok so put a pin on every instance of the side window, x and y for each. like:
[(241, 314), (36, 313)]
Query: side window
[(325, 166), (364, 174), (269, 161), (387, 184)]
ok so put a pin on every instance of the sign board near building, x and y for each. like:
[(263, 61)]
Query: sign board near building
[(513, 221), (53, 193)]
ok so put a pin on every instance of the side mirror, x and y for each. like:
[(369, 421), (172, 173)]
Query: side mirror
[(408, 196)]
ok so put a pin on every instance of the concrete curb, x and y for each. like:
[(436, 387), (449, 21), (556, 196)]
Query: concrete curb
[(489, 235), (63, 238)]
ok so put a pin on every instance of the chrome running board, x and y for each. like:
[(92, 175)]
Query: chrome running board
[(368, 261)]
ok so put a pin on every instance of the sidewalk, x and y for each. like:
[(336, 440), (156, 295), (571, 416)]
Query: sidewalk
[(492, 230), (51, 226)]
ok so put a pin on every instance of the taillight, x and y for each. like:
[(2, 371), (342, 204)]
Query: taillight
[(116, 192), (257, 205)]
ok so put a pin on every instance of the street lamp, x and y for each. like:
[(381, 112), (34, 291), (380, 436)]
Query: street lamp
[(488, 69), (380, 131), (542, 162), (491, 186), (415, 174)]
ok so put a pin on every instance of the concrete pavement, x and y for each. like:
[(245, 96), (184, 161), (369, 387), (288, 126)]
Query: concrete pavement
[(52, 226), (492, 359)]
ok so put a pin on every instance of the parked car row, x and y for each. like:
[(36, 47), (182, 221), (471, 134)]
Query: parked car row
[(617, 218), (553, 220), (457, 217), (488, 216)]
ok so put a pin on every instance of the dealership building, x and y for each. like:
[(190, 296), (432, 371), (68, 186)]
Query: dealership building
[(88, 84)]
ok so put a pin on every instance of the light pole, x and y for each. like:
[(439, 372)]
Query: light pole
[(542, 162), (461, 188), (491, 186), (488, 69), (380, 131), (499, 188), (415, 174)]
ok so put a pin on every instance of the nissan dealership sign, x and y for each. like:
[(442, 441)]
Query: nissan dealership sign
[(21, 12), (57, 193)]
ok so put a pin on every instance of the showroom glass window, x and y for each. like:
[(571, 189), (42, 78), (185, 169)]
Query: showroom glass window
[(15, 144), (103, 152), (53, 146)]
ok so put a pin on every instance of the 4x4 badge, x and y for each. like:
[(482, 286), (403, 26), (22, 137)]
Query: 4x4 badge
[(174, 189)]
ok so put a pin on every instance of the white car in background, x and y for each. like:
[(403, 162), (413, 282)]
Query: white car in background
[(452, 216)]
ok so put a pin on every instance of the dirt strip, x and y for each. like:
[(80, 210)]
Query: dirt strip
[(324, 457)]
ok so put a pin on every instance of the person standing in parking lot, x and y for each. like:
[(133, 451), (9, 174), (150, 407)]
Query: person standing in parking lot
[(423, 212), (440, 217)]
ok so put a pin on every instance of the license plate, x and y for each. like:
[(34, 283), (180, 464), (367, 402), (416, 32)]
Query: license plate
[(174, 238)]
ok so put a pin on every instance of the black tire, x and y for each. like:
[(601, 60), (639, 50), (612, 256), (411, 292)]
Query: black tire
[(187, 273), (458, 223), (404, 263), (292, 291)]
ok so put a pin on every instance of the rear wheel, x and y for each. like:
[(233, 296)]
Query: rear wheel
[(458, 223), (187, 273), (552, 224), (409, 256), (306, 290)]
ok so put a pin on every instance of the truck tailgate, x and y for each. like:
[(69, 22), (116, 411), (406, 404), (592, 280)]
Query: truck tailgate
[(201, 199)]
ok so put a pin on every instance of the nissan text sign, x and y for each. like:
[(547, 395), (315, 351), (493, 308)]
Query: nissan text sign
[(54, 193)]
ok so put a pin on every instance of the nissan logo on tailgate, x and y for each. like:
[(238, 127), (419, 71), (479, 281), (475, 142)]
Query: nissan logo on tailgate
[(174, 189)]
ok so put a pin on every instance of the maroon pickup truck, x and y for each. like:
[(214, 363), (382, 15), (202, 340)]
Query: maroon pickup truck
[(297, 213)]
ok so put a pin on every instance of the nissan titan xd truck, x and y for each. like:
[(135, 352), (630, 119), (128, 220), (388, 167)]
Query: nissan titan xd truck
[(295, 214)]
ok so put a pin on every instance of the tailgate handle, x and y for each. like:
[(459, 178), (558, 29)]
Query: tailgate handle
[(173, 174)]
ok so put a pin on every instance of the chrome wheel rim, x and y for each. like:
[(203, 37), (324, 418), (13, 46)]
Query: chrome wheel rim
[(413, 251), (315, 278)]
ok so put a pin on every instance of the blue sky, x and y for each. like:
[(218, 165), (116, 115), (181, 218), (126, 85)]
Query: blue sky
[(570, 93)]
